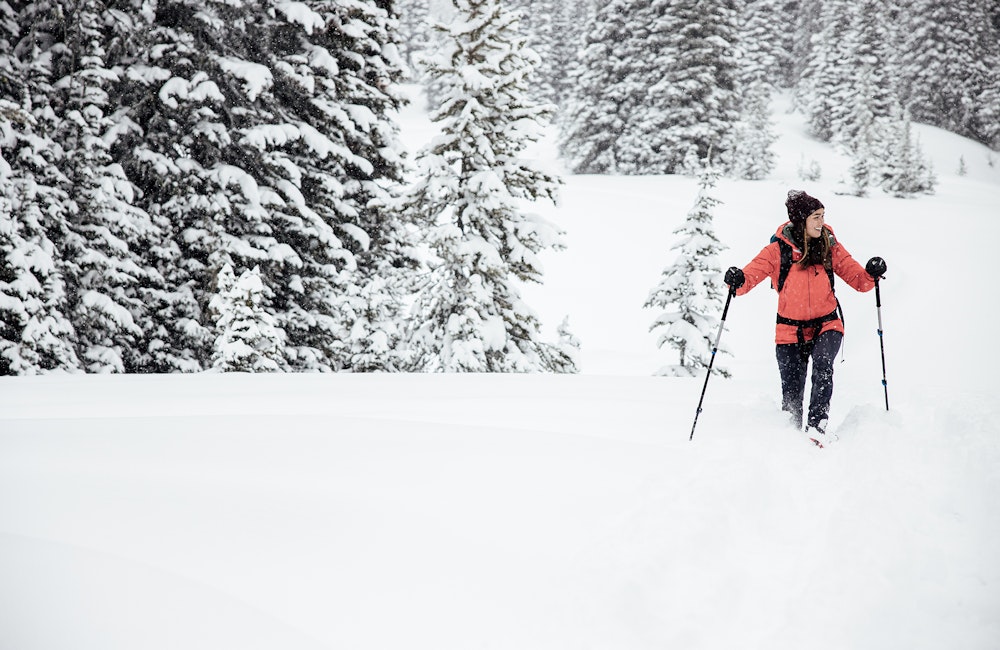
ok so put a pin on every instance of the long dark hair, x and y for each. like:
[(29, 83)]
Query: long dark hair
[(814, 251)]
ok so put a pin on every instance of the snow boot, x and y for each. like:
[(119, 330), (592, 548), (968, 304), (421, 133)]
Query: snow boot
[(817, 433)]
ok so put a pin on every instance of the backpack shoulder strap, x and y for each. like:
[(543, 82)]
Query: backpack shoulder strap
[(829, 271), (786, 260)]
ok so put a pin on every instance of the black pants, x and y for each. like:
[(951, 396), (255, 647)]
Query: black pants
[(794, 367)]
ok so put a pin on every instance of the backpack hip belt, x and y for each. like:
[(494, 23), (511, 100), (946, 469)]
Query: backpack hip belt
[(805, 347)]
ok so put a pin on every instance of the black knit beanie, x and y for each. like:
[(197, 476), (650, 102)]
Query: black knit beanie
[(800, 205)]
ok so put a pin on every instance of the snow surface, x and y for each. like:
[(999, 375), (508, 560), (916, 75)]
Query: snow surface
[(530, 511)]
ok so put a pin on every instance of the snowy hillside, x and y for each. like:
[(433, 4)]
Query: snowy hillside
[(449, 512)]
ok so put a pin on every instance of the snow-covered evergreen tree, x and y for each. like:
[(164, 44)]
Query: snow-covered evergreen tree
[(799, 25), (951, 66), (248, 339), (536, 20), (905, 171), (690, 293), (254, 133), (233, 190), (752, 157), (415, 28), (668, 68), (599, 104), (826, 83), (568, 342), (900, 47), (375, 231), (568, 24), (690, 82), (107, 233), (376, 342), (468, 315), (988, 115), (874, 81), (261, 135), (865, 150), (161, 140), (809, 170), (849, 88), (35, 333), (764, 54)]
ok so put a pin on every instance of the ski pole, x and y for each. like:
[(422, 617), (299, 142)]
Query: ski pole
[(715, 349), (881, 340)]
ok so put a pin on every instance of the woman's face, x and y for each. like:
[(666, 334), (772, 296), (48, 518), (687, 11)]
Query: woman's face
[(814, 223)]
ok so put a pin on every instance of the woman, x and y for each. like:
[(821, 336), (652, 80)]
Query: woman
[(801, 260)]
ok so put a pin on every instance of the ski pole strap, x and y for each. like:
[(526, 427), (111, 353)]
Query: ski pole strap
[(805, 347)]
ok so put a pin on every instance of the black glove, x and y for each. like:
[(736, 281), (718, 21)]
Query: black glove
[(735, 278), (875, 267)]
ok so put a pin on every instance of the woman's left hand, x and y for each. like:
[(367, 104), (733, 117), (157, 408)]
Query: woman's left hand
[(876, 268)]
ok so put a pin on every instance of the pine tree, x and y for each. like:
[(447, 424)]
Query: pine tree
[(375, 342), (905, 171), (537, 20), (801, 22), (599, 105), (375, 232), (865, 150), (851, 62), (809, 170), (249, 339), (752, 157), (414, 27), (161, 145), (984, 118), (667, 68), (569, 343), (35, 333), (106, 231), (191, 135), (763, 54), (468, 315), (689, 293), (261, 135), (875, 78), (175, 133), (568, 29), (699, 89), (898, 47), (952, 86), (988, 115), (824, 91)]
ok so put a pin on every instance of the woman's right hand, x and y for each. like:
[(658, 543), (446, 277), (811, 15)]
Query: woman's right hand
[(735, 278)]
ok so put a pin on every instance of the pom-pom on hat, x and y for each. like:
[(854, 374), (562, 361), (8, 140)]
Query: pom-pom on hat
[(800, 205)]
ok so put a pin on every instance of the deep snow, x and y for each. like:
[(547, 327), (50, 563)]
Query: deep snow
[(456, 512)]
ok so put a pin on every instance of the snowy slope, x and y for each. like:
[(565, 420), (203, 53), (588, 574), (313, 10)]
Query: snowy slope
[(455, 512)]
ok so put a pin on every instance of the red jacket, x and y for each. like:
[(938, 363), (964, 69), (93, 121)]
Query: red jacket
[(806, 294)]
